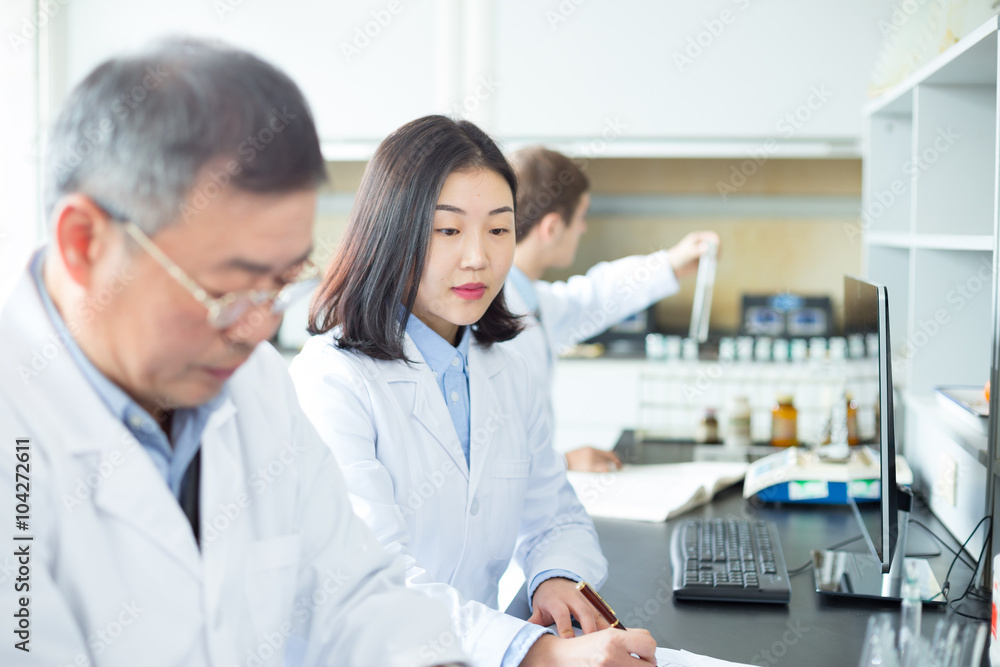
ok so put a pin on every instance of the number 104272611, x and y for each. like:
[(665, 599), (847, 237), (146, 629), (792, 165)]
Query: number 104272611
[(22, 483)]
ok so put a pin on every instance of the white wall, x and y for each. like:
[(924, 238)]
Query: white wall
[(19, 227)]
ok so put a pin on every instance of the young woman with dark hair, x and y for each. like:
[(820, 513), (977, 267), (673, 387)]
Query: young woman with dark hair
[(442, 435)]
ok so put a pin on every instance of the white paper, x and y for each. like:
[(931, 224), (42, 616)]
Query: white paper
[(668, 657), (653, 492)]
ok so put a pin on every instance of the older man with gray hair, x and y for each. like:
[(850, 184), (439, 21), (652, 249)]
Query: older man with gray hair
[(170, 503)]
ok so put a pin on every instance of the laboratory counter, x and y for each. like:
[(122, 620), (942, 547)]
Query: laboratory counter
[(810, 630)]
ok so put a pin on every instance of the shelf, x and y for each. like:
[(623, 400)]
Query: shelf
[(889, 239), (930, 208), (953, 242), (972, 242), (973, 60), (972, 442)]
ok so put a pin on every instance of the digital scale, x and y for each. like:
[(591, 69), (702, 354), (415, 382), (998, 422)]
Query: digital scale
[(819, 476)]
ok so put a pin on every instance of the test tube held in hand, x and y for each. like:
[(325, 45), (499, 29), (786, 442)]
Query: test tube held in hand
[(702, 307)]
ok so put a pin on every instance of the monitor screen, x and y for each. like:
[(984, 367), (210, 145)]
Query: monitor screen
[(866, 313)]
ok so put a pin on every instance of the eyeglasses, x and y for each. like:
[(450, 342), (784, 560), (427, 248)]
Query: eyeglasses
[(226, 310)]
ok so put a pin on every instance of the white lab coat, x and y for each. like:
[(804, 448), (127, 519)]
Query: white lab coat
[(388, 424), (116, 578), (585, 305)]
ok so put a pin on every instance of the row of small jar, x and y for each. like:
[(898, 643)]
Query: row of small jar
[(784, 423), (764, 348)]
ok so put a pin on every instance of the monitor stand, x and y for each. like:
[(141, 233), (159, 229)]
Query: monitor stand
[(852, 574)]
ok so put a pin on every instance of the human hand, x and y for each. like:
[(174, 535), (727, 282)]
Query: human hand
[(607, 648), (556, 600), (685, 255), (590, 459)]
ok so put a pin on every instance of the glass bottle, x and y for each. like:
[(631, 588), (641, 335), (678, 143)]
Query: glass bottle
[(852, 421), (738, 422), (708, 428), (784, 422)]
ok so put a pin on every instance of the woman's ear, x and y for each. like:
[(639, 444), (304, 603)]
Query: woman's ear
[(551, 227), (81, 235)]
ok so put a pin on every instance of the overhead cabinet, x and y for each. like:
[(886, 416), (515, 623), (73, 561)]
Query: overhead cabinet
[(631, 78)]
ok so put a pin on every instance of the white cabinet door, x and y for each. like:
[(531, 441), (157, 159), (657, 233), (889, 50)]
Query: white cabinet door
[(366, 66), (719, 69), (635, 70)]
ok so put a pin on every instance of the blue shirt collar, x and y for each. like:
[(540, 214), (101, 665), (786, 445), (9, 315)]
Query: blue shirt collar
[(525, 287), (435, 350)]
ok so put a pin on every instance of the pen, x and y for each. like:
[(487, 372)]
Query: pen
[(594, 598)]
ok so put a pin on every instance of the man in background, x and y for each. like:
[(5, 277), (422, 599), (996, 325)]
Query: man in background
[(552, 201)]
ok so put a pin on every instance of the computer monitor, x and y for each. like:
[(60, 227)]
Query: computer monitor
[(866, 313), (876, 504)]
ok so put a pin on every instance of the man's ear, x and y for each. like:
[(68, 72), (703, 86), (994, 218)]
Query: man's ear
[(551, 227), (81, 235)]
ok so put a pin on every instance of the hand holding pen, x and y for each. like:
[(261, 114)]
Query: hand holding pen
[(602, 642), (557, 601)]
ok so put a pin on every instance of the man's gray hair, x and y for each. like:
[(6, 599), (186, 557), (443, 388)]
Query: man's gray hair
[(138, 132)]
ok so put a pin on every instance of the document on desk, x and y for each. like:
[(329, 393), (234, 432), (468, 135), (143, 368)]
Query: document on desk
[(668, 657), (671, 657), (653, 492)]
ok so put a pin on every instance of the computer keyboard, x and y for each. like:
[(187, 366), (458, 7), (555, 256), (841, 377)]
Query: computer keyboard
[(728, 559)]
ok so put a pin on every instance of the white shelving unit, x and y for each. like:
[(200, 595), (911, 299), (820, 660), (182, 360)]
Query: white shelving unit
[(929, 229)]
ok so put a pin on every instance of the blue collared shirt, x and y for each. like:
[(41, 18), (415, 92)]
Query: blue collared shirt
[(450, 366), (188, 423)]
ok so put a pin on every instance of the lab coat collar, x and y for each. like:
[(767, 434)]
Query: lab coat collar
[(430, 410), (50, 375), (125, 484), (428, 404), (400, 371)]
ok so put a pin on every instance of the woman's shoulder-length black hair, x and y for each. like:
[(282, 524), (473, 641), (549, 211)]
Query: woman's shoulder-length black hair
[(380, 260)]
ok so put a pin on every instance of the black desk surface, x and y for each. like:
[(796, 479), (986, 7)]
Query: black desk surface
[(811, 630)]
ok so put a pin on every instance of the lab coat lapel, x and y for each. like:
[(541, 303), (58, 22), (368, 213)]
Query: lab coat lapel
[(428, 404), (137, 495), (133, 489), (487, 413), (224, 478)]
